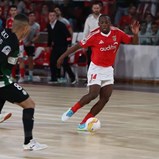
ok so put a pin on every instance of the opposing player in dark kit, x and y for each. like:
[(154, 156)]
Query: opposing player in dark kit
[(10, 91)]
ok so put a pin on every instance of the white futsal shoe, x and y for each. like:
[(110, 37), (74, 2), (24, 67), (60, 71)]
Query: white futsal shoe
[(33, 145), (67, 115), (4, 116)]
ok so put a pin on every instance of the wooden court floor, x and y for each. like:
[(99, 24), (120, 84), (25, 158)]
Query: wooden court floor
[(130, 126)]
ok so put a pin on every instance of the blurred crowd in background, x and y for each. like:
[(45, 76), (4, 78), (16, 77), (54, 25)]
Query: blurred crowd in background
[(74, 14), (122, 12)]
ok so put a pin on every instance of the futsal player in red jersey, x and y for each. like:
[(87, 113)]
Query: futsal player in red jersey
[(104, 43)]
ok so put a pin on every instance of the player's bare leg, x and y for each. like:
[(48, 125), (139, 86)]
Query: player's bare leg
[(94, 91), (105, 93), (28, 122)]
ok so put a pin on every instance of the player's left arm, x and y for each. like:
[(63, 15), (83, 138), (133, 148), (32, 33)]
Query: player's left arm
[(69, 51), (135, 26)]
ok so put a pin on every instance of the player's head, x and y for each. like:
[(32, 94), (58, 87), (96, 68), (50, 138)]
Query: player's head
[(104, 23), (21, 26), (13, 10), (96, 8)]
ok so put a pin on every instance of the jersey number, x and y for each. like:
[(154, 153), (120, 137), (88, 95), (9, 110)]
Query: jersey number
[(17, 86)]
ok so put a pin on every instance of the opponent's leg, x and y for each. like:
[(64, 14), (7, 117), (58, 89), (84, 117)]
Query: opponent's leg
[(3, 116), (28, 123)]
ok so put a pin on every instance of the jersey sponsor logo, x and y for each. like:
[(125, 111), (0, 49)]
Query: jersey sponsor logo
[(12, 60), (101, 42), (6, 50), (4, 34), (110, 47)]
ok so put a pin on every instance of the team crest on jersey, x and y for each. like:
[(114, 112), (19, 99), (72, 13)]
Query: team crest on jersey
[(6, 50), (114, 38)]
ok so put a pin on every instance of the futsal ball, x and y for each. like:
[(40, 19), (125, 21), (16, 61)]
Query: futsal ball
[(93, 124)]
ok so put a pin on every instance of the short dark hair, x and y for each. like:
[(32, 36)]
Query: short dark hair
[(97, 2), (13, 6), (31, 12), (52, 11), (21, 17), (106, 16)]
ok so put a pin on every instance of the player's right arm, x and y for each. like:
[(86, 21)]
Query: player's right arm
[(86, 42), (66, 53)]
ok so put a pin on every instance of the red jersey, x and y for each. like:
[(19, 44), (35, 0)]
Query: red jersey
[(9, 22), (104, 46)]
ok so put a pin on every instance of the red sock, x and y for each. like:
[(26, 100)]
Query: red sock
[(76, 107), (14, 71), (22, 72), (89, 115)]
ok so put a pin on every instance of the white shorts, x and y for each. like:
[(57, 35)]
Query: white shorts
[(100, 75)]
